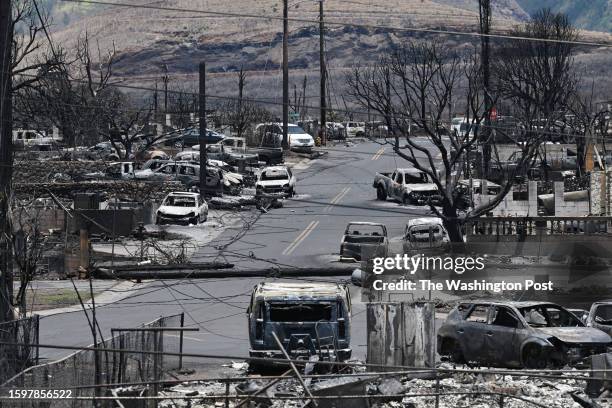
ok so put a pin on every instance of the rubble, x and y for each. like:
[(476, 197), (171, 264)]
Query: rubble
[(458, 389)]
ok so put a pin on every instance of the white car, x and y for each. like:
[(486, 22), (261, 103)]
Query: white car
[(460, 126), (187, 155), (182, 207), (276, 180), (354, 129), (299, 140)]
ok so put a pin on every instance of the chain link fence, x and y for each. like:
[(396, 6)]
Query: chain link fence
[(123, 358), (17, 357)]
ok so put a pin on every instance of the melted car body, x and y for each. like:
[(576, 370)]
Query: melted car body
[(518, 334)]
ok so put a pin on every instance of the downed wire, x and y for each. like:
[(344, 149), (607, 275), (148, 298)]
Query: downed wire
[(528, 373)]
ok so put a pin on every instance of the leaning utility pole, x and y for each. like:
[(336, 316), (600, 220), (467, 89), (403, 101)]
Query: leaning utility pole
[(485, 134), (202, 135), (285, 142), (6, 159), (323, 74)]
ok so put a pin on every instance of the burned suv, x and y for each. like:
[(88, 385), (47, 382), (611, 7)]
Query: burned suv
[(600, 316), (518, 334), (309, 318)]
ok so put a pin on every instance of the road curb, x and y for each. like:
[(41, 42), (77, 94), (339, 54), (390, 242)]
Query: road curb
[(114, 294)]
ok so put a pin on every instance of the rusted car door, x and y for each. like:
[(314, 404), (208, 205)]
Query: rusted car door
[(501, 337), (471, 333)]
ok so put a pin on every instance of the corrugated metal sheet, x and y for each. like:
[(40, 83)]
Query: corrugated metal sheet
[(401, 334)]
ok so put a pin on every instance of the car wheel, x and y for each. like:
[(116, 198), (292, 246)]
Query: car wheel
[(158, 220), (534, 357), (454, 351), (406, 199), (292, 192), (380, 193)]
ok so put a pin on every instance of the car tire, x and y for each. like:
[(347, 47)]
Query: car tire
[(453, 348), (194, 220), (534, 358), (380, 193), (158, 221), (406, 200)]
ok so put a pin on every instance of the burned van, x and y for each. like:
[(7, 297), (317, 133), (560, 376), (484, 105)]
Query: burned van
[(308, 318)]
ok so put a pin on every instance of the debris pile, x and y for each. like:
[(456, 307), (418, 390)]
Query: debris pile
[(459, 389)]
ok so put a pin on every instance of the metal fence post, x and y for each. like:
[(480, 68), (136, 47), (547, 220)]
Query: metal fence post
[(437, 389), (37, 340), (501, 401), (180, 364), (227, 386), (155, 366)]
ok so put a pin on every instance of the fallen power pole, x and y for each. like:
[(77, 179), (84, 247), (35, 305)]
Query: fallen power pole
[(214, 271), (6, 159), (202, 135)]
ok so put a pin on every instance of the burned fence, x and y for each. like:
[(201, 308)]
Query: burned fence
[(123, 358), (17, 357)]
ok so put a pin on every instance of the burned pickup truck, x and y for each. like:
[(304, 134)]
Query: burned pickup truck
[(534, 335), (309, 318), (363, 236)]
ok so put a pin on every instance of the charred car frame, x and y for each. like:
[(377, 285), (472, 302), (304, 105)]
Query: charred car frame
[(309, 318), (518, 334)]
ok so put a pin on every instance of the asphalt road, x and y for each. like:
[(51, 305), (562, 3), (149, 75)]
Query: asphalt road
[(331, 192), (306, 232)]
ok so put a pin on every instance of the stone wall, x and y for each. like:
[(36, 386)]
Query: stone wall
[(511, 207)]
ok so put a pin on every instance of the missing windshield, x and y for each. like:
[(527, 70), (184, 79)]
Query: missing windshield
[(549, 316), (300, 312)]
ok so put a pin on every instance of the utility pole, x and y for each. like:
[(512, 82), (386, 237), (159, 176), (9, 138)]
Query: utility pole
[(6, 160), (285, 142), (240, 117), (323, 74), (155, 101), (485, 25), (165, 79), (202, 135)]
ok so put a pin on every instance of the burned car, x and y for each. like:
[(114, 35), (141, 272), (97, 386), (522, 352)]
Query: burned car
[(600, 316), (363, 236), (425, 233), (518, 334), (309, 318)]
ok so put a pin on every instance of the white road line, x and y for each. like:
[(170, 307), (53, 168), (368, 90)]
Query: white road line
[(378, 154), (300, 238), (337, 198)]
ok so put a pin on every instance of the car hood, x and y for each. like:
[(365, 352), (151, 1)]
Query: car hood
[(168, 209), (422, 187), (576, 334), (604, 328), (272, 183), (301, 138), (143, 173)]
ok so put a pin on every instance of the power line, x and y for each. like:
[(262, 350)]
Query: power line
[(369, 26), (312, 107)]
